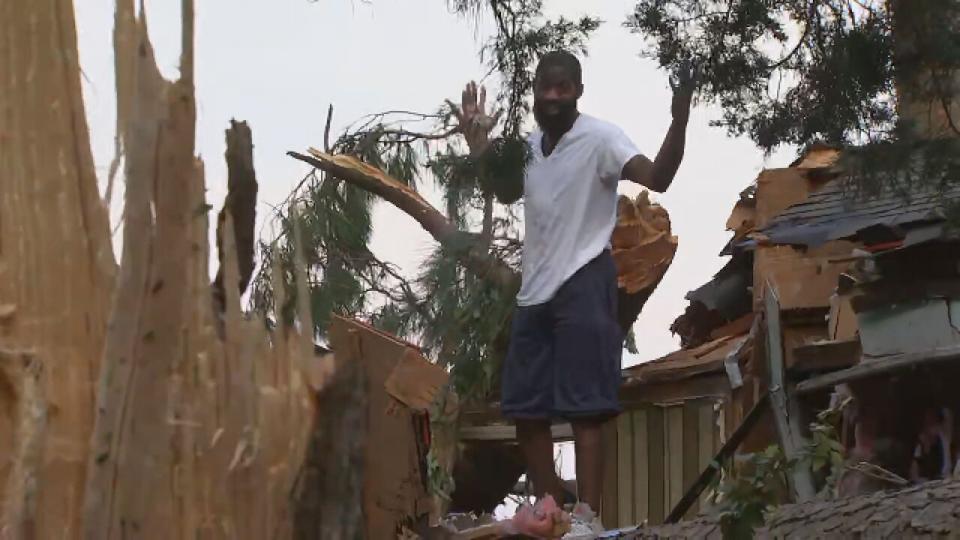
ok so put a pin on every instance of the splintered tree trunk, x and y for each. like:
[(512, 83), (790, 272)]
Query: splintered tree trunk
[(56, 271), (328, 496), (240, 205)]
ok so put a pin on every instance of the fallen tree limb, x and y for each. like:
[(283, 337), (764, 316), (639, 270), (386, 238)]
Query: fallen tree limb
[(365, 176)]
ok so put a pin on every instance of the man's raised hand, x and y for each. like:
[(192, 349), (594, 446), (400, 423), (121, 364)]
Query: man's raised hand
[(473, 121), (684, 83)]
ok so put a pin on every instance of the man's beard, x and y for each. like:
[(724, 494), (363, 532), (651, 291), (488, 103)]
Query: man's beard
[(553, 116)]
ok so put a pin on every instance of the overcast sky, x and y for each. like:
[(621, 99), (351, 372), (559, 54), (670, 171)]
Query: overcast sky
[(277, 64)]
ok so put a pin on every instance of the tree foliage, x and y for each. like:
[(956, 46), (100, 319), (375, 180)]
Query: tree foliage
[(799, 71)]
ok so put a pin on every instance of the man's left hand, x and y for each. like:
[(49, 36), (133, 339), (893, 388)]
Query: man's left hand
[(684, 84)]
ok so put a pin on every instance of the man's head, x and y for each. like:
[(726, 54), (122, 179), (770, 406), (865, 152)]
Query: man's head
[(557, 85)]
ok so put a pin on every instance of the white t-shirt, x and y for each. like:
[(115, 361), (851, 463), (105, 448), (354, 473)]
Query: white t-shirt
[(570, 204)]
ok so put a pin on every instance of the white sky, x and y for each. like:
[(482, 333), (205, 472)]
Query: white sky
[(277, 64)]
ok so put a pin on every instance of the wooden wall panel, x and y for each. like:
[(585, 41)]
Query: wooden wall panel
[(625, 458), (641, 468), (675, 452), (657, 464), (691, 448)]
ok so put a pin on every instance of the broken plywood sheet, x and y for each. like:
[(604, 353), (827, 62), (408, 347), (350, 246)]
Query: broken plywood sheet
[(416, 382), (910, 327), (643, 246), (777, 190), (803, 280), (393, 478)]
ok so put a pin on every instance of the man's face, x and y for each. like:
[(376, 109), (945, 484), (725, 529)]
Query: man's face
[(555, 96)]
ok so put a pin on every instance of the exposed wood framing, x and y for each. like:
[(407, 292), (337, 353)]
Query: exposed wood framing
[(785, 410), (872, 367)]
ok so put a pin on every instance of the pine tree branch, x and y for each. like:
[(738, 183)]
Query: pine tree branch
[(473, 257), (486, 233)]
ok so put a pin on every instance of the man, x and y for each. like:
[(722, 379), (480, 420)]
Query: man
[(566, 344)]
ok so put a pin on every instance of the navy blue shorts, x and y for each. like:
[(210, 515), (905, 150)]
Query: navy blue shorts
[(564, 355)]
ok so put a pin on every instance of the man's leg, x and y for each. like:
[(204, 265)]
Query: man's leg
[(588, 447), (536, 443), (587, 347)]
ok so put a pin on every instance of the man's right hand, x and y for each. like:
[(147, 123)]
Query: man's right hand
[(473, 121)]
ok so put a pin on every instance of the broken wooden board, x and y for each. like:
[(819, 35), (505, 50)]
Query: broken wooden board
[(823, 356), (643, 246), (416, 382), (842, 320), (394, 490), (743, 217), (783, 403), (800, 336)]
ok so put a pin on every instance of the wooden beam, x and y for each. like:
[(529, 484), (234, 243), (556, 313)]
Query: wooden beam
[(878, 366), (824, 356), (560, 432), (722, 455), (785, 410)]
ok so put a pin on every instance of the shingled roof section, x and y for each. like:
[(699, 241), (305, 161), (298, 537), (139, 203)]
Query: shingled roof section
[(838, 211), (930, 510)]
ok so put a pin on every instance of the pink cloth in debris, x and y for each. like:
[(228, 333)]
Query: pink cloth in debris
[(543, 520)]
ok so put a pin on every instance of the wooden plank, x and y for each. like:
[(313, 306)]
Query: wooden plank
[(824, 356), (624, 470), (785, 410), (691, 449), (707, 429), (725, 452), (656, 467), (641, 472), (676, 451), (877, 366), (608, 506), (635, 394), (560, 432)]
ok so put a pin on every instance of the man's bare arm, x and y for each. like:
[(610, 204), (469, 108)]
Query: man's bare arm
[(657, 175)]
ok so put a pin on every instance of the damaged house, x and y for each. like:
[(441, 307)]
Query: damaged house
[(832, 294)]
